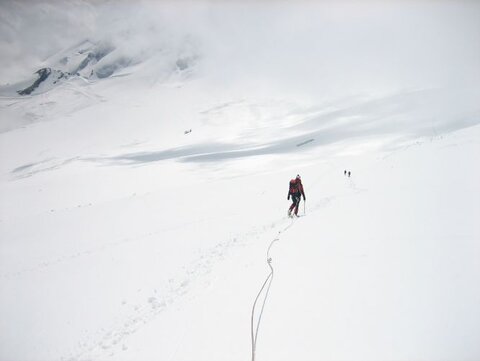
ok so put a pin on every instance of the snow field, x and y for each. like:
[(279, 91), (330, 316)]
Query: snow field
[(124, 237)]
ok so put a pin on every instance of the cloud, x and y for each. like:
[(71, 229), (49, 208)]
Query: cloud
[(340, 46), (30, 31), (311, 47)]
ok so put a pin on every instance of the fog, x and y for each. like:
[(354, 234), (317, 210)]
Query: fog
[(303, 47)]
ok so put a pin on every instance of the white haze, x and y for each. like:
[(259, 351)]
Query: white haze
[(308, 48)]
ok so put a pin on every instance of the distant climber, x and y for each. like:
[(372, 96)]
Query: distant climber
[(345, 172), (295, 191), (349, 174)]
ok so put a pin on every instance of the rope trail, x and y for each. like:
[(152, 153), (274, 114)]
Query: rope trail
[(268, 283)]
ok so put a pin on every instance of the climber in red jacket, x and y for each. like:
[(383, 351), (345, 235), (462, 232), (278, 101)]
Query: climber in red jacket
[(295, 191)]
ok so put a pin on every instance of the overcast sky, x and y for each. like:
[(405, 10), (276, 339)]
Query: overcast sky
[(310, 45)]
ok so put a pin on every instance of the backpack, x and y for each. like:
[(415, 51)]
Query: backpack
[(293, 187)]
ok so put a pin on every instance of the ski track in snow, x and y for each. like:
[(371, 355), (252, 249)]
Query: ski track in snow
[(110, 342), (321, 203), (114, 339)]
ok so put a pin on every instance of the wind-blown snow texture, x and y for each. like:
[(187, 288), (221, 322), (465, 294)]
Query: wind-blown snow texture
[(144, 177)]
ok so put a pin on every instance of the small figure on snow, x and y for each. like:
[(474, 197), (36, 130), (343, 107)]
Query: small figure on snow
[(345, 172), (348, 174), (295, 191)]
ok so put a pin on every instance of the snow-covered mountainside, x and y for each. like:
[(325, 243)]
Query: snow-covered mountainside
[(145, 156), (91, 62)]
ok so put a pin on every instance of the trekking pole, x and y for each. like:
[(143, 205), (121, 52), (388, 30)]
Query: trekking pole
[(304, 201)]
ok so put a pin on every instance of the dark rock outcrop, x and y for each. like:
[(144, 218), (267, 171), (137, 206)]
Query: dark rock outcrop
[(43, 74), (93, 57)]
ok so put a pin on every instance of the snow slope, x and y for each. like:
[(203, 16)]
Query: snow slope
[(124, 236)]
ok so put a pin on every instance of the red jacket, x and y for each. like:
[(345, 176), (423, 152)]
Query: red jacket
[(296, 188)]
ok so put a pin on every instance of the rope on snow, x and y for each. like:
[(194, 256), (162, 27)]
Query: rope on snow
[(268, 282)]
